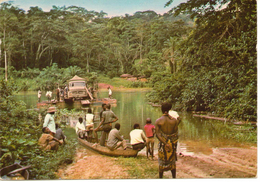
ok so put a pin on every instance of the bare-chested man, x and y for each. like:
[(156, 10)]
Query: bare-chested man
[(166, 129)]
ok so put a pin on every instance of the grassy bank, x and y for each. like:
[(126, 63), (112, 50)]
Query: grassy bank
[(140, 167), (120, 83), (25, 84)]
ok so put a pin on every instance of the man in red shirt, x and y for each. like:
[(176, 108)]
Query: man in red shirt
[(149, 132)]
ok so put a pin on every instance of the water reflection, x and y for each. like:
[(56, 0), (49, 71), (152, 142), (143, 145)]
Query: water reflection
[(195, 134)]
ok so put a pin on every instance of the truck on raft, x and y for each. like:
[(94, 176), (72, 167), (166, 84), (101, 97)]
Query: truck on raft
[(78, 91)]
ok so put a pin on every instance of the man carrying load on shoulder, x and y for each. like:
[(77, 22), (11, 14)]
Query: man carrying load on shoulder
[(166, 129), (175, 115)]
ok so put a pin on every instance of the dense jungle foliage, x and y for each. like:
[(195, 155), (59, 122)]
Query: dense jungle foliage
[(200, 56), (19, 134)]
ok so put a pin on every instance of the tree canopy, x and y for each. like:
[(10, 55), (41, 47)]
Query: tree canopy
[(200, 56)]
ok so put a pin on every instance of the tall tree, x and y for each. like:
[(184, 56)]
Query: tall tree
[(219, 55)]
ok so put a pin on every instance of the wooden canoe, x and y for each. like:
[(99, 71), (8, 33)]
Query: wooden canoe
[(104, 150), (8, 169)]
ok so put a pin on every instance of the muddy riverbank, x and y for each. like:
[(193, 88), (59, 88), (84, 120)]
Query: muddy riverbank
[(219, 163)]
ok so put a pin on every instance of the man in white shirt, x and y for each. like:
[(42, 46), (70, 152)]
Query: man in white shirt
[(109, 92), (137, 137), (49, 120), (80, 129)]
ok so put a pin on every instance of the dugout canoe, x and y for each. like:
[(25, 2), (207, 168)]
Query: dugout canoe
[(105, 151), (15, 167)]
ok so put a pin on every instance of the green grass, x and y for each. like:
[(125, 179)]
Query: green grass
[(116, 81), (140, 167), (120, 82)]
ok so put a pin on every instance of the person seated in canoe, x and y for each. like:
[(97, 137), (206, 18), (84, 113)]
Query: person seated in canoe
[(137, 138), (89, 123), (108, 117), (115, 140), (59, 134), (80, 129), (47, 141), (149, 129), (89, 120)]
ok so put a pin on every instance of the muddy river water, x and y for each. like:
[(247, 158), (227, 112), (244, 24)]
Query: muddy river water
[(195, 134)]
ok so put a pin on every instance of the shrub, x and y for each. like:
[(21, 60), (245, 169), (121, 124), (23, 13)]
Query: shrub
[(20, 131)]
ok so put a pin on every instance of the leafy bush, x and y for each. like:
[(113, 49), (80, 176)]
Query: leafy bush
[(136, 84), (20, 131)]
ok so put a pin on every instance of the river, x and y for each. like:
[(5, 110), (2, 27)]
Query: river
[(195, 134)]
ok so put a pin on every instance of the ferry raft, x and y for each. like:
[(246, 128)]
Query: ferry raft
[(78, 92)]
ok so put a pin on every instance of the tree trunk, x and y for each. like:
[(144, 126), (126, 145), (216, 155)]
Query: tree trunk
[(5, 67), (0, 52), (25, 58)]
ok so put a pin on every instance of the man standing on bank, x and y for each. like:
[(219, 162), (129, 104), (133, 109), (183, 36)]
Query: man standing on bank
[(109, 92), (166, 129), (149, 129)]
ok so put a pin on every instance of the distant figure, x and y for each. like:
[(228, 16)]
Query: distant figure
[(49, 120), (66, 91), (166, 129), (137, 137), (149, 129), (92, 92), (80, 129), (109, 92), (49, 95), (47, 141), (61, 94), (59, 133), (115, 140), (108, 117), (39, 95), (58, 94)]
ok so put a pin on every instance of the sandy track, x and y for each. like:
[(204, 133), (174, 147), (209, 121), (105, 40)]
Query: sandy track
[(221, 163)]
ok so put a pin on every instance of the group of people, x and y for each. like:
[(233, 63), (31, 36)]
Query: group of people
[(49, 95), (84, 131), (52, 135), (61, 93), (165, 129), (107, 117)]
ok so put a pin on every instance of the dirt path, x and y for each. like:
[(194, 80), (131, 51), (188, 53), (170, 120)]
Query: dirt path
[(221, 163)]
